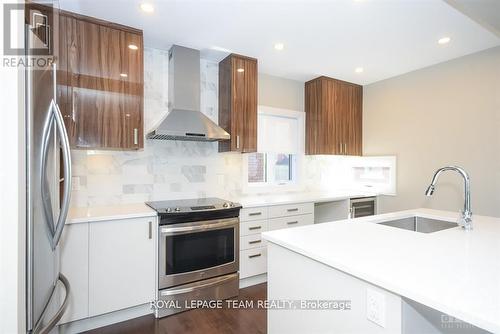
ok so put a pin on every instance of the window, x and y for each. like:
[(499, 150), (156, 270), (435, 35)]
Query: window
[(278, 169), (280, 145)]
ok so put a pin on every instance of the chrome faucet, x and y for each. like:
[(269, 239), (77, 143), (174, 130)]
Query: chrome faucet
[(465, 219)]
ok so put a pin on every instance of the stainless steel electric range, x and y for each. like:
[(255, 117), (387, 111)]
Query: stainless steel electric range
[(198, 250)]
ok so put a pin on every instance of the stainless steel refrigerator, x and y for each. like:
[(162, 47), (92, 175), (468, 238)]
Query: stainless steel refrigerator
[(48, 174)]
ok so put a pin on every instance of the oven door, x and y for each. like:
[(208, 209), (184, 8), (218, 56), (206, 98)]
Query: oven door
[(194, 251)]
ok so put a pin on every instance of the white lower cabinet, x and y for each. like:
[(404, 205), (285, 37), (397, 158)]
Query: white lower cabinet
[(109, 264), (290, 221), (253, 250), (253, 262), (121, 264), (252, 241)]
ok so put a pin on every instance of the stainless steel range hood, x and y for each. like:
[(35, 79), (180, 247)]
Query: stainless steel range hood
[(184, 120)]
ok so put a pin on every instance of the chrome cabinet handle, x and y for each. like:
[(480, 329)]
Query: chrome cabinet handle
[(150, 235), (254, 255), (292, 223), (255, 228), (293, 210), (73, 98), (255, 213), (345, 148), (255, 242), (136, 136), (237, 141)]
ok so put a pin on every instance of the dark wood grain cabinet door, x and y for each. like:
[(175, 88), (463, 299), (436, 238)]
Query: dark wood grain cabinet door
[(133, 88), (333, 117), (245, 102), (238, 103), (63, 75), (354, 124), (104, 104)]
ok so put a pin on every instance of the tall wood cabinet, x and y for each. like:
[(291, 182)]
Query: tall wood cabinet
[(333, 117), (100, 82), (238, 103)]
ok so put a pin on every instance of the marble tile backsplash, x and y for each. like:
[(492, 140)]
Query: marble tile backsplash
[(166, 170), (163, 169)]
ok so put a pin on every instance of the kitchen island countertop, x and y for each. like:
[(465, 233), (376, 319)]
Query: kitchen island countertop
[(453, 271)]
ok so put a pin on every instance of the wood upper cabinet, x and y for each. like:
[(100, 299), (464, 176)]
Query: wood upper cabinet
[(333, 117), (101, 84), (238, 103)]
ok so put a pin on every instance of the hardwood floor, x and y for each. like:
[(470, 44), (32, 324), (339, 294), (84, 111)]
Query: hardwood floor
[(202, 321)]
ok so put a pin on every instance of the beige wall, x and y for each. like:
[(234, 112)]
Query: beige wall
[(445, 114), (281, 93)]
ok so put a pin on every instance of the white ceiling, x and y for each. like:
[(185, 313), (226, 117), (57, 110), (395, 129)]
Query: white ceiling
[(385, 37)]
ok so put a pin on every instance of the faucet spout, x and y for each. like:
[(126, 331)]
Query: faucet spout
[(466, 219)]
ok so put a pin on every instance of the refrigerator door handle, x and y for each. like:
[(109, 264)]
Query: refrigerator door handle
[(66, 154), (44, 187), (60, 312), (54, 114)]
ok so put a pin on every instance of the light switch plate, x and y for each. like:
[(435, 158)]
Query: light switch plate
[(375, 307)]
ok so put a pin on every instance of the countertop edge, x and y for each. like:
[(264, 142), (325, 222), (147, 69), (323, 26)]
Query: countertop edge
[(314, 198)]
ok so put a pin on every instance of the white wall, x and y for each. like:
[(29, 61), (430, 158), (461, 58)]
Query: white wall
[(441, 115), (12, 206), (281, 93)]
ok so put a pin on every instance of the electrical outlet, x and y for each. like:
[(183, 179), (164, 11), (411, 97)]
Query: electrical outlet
[(75, 183), (375, 307)]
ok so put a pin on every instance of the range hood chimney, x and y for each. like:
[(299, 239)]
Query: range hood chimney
[(184, 120)]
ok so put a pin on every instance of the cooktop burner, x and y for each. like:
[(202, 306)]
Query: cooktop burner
[(188, 210)]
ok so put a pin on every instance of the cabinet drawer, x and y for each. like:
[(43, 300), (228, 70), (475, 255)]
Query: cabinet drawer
[(290, 210), (293, 221), (253, 213), (251, 241), (253, 262), (253, 227)]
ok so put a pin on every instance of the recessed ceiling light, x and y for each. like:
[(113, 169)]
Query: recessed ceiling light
[(444, 40), (123, 75), (132, 47), (279, 46), (147, 7), (241, 70), (358, 70)]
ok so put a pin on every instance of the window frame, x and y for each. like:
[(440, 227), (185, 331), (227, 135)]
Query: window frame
[(296, 184)]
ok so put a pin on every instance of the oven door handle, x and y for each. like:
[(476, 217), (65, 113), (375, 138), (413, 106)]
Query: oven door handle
[(198, 228), (213, 282)]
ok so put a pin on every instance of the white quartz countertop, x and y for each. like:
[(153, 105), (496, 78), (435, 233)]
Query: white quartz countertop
[(111, 212), (136, 210), (453, 271), (299, 197)]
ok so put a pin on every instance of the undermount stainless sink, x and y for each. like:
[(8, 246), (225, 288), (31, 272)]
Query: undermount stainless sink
[(420, 224)]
